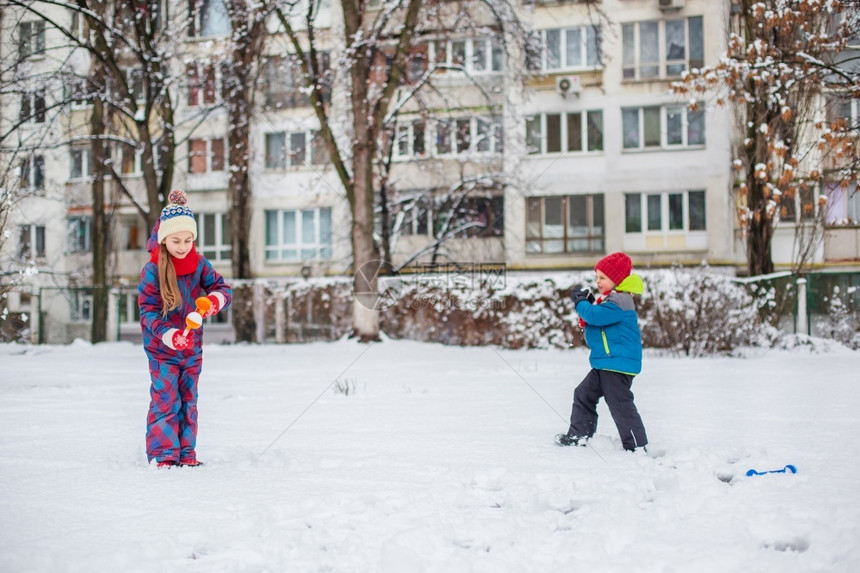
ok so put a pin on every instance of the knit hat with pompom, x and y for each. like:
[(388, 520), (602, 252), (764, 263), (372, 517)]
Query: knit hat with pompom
[(176, 217), (616, 267)]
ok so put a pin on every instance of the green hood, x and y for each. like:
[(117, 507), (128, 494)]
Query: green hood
[(632, 284)]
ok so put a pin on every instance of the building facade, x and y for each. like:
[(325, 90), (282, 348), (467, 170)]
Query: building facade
[(583, 152)]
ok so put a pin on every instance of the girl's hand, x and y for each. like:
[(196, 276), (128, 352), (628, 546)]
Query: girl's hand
[(216, 302), (176, 340)]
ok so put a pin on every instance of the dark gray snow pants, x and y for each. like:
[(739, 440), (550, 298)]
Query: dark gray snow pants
[(615, 388)]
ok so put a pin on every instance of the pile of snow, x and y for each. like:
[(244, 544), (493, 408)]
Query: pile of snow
[(402, 456)]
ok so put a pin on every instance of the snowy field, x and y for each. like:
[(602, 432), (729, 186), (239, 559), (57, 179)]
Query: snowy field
[(429, 458)]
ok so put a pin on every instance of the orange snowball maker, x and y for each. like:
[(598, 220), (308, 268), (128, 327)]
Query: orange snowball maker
[(194, 320)]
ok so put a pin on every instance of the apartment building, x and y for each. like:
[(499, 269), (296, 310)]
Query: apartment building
[(585, 152), (615, 161)]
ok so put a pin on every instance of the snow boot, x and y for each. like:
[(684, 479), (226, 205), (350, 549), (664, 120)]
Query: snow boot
[(568, 440)]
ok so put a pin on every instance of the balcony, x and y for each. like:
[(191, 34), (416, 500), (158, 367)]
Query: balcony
[(842, 244)]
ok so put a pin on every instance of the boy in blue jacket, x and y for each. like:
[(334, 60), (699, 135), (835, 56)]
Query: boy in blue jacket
[(612, 334)]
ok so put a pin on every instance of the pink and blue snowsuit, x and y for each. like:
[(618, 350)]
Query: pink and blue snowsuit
[(171, 425)]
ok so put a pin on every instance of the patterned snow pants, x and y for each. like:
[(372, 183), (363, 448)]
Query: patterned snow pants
[(171, 425)]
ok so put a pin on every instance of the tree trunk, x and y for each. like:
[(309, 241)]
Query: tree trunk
[(387, 266), (154, 195), (759, 238), (366, 262), (238, 138), (366, 258), (239, 84), (99, 223), (760, 223), (244, 324)]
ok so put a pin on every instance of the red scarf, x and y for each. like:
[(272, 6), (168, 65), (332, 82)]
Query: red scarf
[(184, 266)]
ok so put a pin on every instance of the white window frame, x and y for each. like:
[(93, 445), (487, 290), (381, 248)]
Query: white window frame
[(280, 83), (460, 220), (31, 39), (631, 66), (587, 61), (77, 227), (490, 44), (30, 166), (289, 161), (201, 6), (278, 252), (83, 153), (129, 309), (202, 72), (664, 212), (272, 161), (137, 161), (209, 155), (798, 217), (294, 149), (283, 73), (664, 111), (296, 12), (423, 206), (404, 139), (133, 233), (496, 136), (215, 249), (81, 307), (853, 109), (77, 24), (846, 200), (535, 245), (563, 118), (36, 105), (36, 241), (76, 87)]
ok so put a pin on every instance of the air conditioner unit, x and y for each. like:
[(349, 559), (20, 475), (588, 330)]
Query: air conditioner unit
[(671, 4), (568, 85)]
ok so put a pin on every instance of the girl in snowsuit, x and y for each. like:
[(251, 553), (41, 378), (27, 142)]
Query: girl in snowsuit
[(612, 334), (170, 282)]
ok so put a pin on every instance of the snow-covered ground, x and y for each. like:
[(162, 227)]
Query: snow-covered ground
[(428, 458)]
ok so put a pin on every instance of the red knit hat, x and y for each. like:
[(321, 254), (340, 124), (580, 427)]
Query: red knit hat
[(616, 267)]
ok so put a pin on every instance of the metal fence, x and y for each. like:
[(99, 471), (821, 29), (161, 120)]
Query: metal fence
[(820, 303)]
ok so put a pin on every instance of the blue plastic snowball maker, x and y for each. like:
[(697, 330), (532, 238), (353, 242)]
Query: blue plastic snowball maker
[(787, 469)]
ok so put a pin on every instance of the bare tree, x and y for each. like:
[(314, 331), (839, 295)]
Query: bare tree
[(478, 162), (130, 47), (6, 198), (244, 51), (780, 57), (99, 152), (378, 43), (463, 209)]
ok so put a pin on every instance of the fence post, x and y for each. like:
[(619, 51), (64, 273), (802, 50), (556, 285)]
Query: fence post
[(258, 296), (802, 323), (35, 316), (112, 333), (280, 320)]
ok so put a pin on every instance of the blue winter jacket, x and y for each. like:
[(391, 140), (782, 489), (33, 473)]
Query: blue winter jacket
[(612, 333)]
